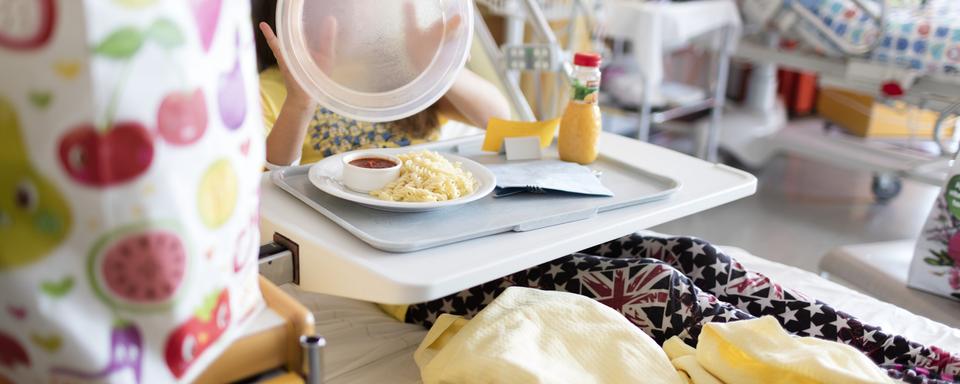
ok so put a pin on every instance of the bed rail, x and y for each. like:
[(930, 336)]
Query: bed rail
[(948, 148), (845, 47)]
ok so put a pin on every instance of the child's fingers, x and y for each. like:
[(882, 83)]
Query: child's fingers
[(328, 35), (270, 37), (453, 24), (434, 32), (272, 41), (410, 19)]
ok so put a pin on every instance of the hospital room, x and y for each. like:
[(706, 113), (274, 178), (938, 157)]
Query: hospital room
[(479, 191)]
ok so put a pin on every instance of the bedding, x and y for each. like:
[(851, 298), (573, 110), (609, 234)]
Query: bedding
[(366, 345), (923, 38), (531, 335), (760, 351), (717, 274), (538, 336)]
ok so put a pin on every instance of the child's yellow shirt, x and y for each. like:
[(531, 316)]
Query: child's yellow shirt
[(330, 133)]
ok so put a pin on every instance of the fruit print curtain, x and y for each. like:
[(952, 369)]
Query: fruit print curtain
[(936, 262), (130, 159)]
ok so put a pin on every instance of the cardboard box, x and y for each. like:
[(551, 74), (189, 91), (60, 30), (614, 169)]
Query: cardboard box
[(864, 116)]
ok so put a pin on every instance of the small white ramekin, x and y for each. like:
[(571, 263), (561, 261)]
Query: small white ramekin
[(364, 180)]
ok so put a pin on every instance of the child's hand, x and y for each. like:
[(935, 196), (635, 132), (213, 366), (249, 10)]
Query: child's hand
[(422, 44), (295, 92)]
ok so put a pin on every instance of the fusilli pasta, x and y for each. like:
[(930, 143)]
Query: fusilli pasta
[(426, 176)]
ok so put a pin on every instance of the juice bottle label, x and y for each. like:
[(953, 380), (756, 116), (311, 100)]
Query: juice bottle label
[(585, 92)]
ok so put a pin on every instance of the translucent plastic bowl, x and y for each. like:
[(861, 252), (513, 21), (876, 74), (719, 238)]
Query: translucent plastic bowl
[(375, 60)]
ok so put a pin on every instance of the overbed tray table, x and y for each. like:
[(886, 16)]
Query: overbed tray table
[(332, 261)]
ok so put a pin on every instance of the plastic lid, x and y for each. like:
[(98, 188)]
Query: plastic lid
[(586, 59), (375, 60)]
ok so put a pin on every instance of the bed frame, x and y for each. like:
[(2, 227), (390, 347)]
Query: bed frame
[(851, 71)]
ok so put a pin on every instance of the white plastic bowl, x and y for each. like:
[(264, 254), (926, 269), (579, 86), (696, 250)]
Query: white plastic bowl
[(364, 180), (389, 58)]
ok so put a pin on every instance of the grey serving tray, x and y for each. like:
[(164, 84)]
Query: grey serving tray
[(408, 232)]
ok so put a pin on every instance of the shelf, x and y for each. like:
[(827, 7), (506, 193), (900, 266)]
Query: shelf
[(665, 115)]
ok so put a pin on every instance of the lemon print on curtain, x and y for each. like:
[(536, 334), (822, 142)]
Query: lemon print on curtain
[(217, 195), (34, 218)]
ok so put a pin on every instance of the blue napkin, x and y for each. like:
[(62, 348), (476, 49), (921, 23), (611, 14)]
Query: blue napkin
[(544, 176)]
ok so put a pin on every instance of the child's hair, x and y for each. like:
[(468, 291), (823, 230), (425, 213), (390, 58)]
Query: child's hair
[(417, 125)]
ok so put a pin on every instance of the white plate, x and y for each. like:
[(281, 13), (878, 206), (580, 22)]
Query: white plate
[(325, 175)]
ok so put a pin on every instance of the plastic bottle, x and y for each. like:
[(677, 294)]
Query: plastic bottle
[(580, 126)]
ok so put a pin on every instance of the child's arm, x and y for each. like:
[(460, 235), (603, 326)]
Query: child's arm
[(476, 99), (285, 140)]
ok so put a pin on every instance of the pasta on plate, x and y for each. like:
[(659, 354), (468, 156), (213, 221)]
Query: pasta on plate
[(426, 176)]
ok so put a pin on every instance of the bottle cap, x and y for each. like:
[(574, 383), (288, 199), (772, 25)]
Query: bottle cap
[(586, 59)]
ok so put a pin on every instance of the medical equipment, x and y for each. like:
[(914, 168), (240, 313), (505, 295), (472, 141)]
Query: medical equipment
[(656, 28), (652, 27), (894, 53), (546, 54)]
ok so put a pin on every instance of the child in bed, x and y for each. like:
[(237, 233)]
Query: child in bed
[(301, 130), (666, 286)]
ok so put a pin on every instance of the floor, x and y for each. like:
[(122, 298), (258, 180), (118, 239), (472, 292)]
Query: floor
[(803, 208)]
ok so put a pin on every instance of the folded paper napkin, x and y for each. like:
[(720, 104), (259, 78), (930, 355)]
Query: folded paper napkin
[(546, 175)]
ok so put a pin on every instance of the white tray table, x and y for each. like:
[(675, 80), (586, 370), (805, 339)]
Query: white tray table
[(332, 261)]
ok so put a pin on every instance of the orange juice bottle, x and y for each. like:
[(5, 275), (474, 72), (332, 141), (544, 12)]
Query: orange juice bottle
[(580, 126)]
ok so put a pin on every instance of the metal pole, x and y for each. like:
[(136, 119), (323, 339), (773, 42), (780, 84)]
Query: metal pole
[(565, 71), (312, 347), (540, 24), (762, 88), (709, 150), (542, 28), (646, 108), (496, 57), (538, 93), (515, 22), (643, 131)]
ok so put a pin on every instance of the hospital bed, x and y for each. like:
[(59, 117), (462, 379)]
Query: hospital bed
[(905, 51), (271, 342), (866, 45), (365, 345)]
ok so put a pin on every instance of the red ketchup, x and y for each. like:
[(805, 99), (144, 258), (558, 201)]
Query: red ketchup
[(372, 162)]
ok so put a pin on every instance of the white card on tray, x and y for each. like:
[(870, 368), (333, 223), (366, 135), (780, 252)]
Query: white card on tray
[(523, 148)]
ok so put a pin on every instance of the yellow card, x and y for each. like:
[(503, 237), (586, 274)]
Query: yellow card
[(498, 129)]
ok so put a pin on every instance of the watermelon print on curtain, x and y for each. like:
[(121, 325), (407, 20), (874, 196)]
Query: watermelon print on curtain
[(130, 158)]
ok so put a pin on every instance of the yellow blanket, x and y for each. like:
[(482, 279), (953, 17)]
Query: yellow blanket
[(760, 351), (532, 336)]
